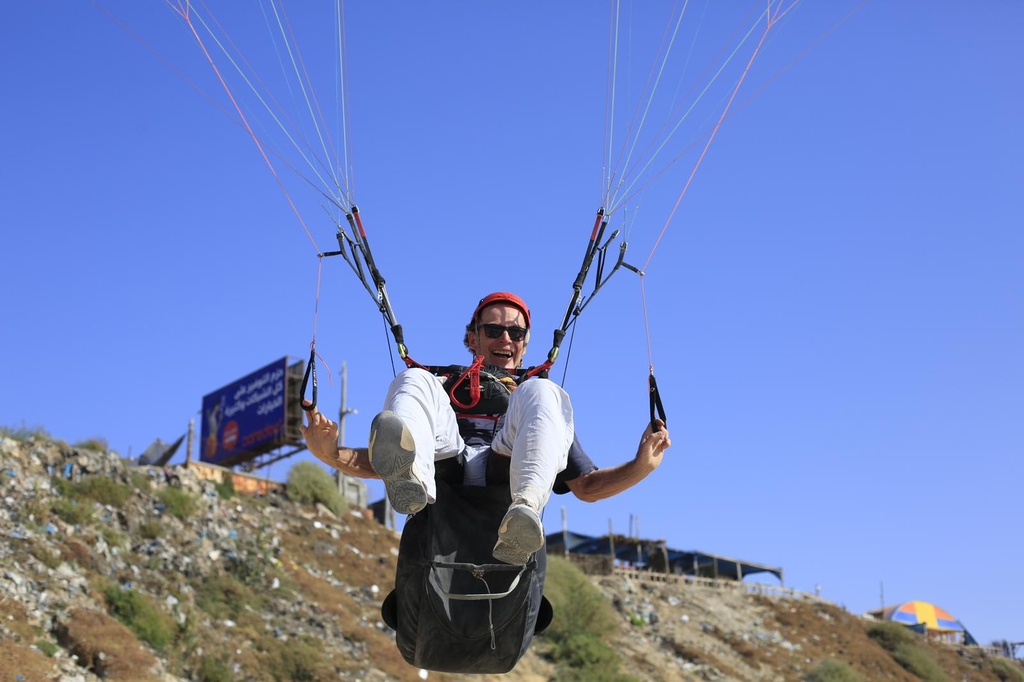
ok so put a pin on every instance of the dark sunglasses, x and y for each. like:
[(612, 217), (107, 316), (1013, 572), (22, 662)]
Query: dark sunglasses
[(494, 331)]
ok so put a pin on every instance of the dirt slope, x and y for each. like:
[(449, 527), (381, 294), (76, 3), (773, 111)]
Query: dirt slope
[(264, 589)]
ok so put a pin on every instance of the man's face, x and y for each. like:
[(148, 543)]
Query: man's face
[(503, 351)]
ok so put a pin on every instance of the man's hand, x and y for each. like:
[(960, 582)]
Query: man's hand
[(652, 446), (602, 483), (321, 436)]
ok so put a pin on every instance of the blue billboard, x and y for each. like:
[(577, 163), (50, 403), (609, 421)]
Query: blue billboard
[(246, 416)]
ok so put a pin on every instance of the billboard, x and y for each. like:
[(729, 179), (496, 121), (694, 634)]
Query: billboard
[(247, 417)]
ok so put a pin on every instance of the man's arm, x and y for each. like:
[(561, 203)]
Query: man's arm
[(321, 436), (602, 483)]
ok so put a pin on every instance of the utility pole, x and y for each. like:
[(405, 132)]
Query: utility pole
[(188, 446), (342, 413)]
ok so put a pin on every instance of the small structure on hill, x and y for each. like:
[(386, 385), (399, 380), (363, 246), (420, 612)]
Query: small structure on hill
[(599, 554), (159, 453), (928, 619)]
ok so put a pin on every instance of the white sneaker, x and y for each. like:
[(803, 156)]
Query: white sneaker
[(392, 454), (519, 535)]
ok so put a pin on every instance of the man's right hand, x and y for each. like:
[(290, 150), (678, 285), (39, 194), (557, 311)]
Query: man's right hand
[(321, 436)]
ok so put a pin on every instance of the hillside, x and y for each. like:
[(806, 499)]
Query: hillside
[(115, 574)]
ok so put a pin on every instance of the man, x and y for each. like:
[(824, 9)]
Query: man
[(424, 422)]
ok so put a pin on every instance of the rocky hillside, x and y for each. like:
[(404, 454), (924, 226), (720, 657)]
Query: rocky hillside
[(112, 571)]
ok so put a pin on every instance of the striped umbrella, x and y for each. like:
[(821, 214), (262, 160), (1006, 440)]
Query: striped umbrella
[(933, 617)]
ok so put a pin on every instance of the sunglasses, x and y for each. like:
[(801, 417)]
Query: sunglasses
[(494, 331)]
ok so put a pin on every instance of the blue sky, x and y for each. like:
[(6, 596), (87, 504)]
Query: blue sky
[(834, 310)]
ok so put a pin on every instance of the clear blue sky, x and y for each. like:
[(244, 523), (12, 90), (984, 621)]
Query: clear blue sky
[(835, 311)]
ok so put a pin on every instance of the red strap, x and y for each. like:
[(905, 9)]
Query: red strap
[(473, 372), (548, 364), (410, 363)]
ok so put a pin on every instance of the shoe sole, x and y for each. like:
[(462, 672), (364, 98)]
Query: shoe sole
[(519, 536), (392, 454)]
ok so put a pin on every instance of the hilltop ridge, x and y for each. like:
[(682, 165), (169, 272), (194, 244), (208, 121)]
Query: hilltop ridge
[(114, 571)]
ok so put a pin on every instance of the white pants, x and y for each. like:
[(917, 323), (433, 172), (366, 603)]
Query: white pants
[(536, 431)]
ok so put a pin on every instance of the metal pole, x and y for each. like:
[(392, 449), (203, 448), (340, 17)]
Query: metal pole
[(344, 409), (611, 542), (343, 412), (565, 534), (188, 448)]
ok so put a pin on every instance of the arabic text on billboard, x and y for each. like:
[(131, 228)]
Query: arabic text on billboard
[(244, 415)]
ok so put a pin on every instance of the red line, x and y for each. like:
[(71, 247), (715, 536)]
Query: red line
[(711, 139), (248, 128)]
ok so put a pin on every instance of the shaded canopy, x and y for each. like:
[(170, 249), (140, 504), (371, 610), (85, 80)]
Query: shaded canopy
[(636, 551)]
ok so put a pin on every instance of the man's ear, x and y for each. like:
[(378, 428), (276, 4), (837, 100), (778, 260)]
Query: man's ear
[(471, 338)]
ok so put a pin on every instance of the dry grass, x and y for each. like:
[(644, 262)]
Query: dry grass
[(105, 647), (16, 655), (827, 632), (30, 665)]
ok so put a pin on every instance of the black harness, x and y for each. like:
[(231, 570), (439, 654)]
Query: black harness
[(479, 397), (454, 609)]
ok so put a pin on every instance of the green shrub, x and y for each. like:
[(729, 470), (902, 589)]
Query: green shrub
[(1007, 671), (140, 481), (151, 529), (95, 444), (103, 490), (61, 486), (140, 615), (593, 674), (584, 650), (309, 483), (250, 566), (890, 635), (45, 555), (224, 596), (71, 512), (226, 489), (47, 647), (919, 662), (834, 671), (178, 503), (214, 670), (33, 512), (24, 433), (579, 605), (297, 660), (113, 537), (582, 617)]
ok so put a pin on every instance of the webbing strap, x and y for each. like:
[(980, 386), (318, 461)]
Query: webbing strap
[(473, 373), (656, 405)]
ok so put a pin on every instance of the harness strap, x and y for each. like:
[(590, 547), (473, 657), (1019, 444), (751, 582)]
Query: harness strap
[(410, 363), (310, 372), (473, 372), (656, 404), (541, 370)]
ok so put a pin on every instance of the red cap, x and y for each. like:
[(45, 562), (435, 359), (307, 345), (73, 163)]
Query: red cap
[(502, 297)]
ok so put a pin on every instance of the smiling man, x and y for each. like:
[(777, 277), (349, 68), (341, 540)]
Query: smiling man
[(495, 428)]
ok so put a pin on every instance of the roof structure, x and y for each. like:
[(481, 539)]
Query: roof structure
[(652, 553)]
